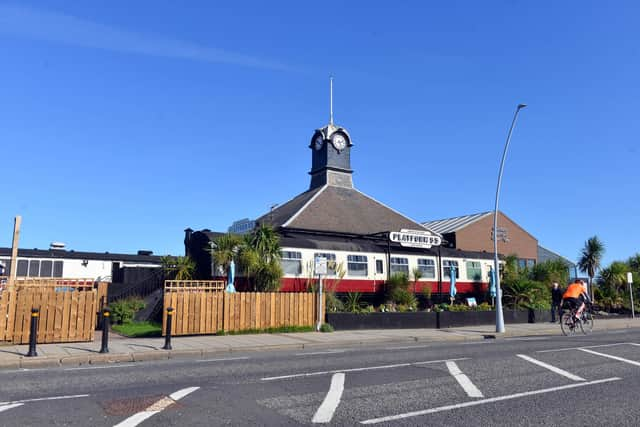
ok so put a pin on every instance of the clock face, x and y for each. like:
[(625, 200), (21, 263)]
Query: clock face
[(339, 141), (317, 143)]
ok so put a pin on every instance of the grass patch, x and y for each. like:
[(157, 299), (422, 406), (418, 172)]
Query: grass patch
[(138, 329), (269, 330)]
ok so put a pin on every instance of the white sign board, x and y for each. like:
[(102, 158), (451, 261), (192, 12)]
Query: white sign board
[(629, 278), (320, 265), (415, 238)]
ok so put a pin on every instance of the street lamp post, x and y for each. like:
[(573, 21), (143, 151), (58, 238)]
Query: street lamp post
[(499, 315)]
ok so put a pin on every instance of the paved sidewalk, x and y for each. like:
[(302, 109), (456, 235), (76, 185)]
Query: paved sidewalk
[(122, 349)]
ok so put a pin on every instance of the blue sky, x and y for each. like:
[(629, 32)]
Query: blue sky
[(123, 123)]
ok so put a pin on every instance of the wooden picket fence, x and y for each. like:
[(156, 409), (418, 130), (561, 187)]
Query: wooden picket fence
[(206, 312), (67, 307)]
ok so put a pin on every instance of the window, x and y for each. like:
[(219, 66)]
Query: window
[(7, 266), (379, 267), (46, 268), (399, 266), (446, 268), (291, 262), (474, 271), (522, 264), (331, 262), (57, 269), (34, 268), (357, 265), (23, 267), (427, 267), (531, 263)]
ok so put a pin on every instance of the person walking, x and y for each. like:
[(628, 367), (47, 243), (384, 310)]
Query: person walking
[(556, 301)]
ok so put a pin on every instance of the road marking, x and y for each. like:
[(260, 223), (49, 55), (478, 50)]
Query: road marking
[(320, 352), (331, 401), (619, 359), (221, 360), (85, 368), (39, 399), (410, 347), (551, 368), (156, 408), (368, 368), (463, 380), (526, 339), (484, 401), (587, 346), (9, 406)]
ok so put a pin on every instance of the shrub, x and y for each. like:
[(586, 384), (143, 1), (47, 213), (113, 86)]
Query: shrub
[(122, 311), (459, 307), (485, 306), (403, 297), (333, 303), (326, 327), (353, 303)]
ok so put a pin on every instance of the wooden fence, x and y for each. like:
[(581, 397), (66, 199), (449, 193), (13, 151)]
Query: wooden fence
[(66, 315), (67, 307), (205, 312)]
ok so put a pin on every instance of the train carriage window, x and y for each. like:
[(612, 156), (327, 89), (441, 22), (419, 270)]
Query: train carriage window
[(291, 262), (399, 266), (379, 267), (474, 271), (34, 268), (46, 268), (57, 268), (331, 262), (23, 268), (446, 268), (427, 267), (357, 265)]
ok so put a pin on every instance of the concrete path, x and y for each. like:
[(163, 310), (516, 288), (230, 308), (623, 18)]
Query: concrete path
[(122, 349)]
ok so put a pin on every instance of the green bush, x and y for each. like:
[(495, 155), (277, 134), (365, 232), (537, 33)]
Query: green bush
[(459, 307), (403, 297), (334, 304), (122, 311), (353, 304), (485, 306), (326, 327)]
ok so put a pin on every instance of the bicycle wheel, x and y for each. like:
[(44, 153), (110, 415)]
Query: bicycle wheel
[(587, 323), (567, 324)]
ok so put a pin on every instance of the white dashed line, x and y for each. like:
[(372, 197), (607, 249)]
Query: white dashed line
[(551, 368), (463, 380), (9, 406), (619, 359), (587, 346), (39, 399), (156, 408), (331, 401), (483, 401), (320, 352), (368, 368)]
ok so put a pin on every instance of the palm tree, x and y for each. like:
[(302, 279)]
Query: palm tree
[(178, 268), (590, 258), (266, 242), (225, 249)]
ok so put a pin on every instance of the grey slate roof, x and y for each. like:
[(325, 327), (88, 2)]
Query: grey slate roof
[(545, 254), (71, 254), (338, 209), (450, 225)]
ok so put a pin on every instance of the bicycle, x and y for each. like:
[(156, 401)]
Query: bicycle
[(569, 322)]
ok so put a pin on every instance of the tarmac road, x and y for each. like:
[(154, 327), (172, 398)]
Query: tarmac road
[(538, 380)]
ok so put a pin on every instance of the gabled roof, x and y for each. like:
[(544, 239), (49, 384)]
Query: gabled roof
[(338, 209), (545, 254), (451, 225)]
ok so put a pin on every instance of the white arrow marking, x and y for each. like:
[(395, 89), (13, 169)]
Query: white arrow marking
[(331, 401)]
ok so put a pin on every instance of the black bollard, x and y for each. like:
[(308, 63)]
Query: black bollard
[(167, 337), (105, 330), (33, 333)]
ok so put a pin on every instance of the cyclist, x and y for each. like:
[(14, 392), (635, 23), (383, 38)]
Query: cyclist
[(576, 296)]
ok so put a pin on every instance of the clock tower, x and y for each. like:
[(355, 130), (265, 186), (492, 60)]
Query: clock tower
[(331, 154)]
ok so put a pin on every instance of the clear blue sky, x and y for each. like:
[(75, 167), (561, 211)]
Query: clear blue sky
[(123, 123)]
